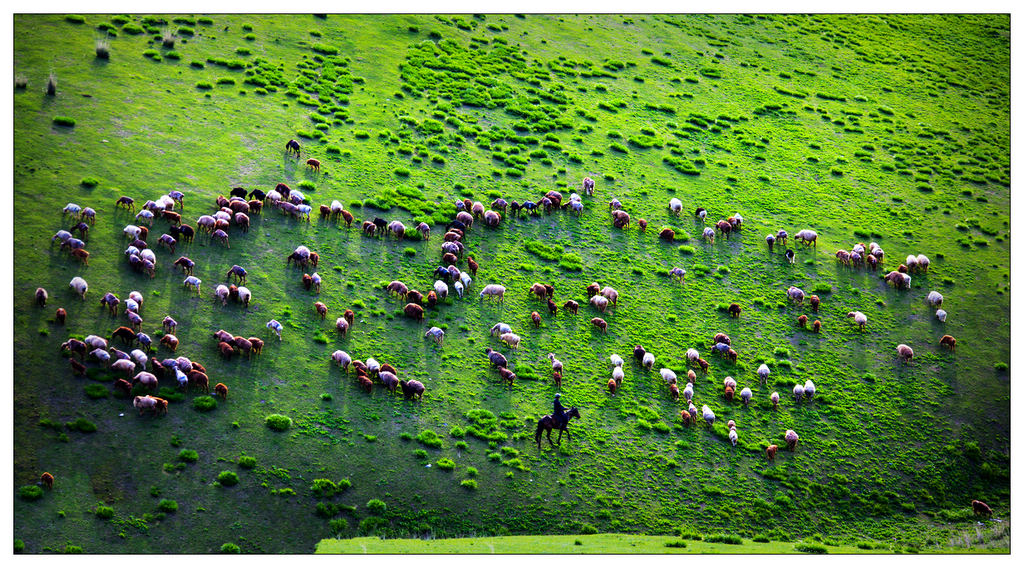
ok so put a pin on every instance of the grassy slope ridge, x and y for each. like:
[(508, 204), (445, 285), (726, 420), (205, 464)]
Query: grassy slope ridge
[(891, 129)]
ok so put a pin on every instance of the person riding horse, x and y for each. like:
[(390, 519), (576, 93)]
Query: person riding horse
[(559, 413)]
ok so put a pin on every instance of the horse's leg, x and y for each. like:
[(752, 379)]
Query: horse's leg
[(560, 430)]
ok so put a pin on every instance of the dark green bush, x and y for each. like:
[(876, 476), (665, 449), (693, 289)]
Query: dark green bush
[(30, 492), (247, 462), (230, 548), (204, 403), (369, 525), (190, 456), (96, 391), (81, 425), (338, 526), (376, 506), (63, 121), (811, 548), (228, 478), (104, 512), (167, 505), (724, 539)]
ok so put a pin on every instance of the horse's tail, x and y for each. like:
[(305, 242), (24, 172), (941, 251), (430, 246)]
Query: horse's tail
[(540, 427)]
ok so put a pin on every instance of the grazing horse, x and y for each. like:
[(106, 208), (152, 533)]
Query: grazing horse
[(292, 146), (547, 423), (313, 163)]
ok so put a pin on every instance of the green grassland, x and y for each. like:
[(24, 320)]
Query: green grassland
[(605, 544), (892, 129)]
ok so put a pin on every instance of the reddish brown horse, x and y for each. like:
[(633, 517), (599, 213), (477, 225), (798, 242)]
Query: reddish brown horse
[(547, 423)]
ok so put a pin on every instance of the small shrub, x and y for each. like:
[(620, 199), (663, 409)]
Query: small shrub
[(469, 483), (30, 492), (676, 544), (82, 425), (190, 456), (338, 526), (75, 18), (724, 539), (167, 505), (429, 438), (279, 422), (230, 548), (409, 251), (104, 512), (376, 506), (324, 49), (420, 453), (96, 391), (228, 478), (811, 548), (64, 121), (204, 403), (204, 85), (445, 464)]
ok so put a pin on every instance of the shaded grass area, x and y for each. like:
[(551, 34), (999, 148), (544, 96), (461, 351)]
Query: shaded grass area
[(405, 122)]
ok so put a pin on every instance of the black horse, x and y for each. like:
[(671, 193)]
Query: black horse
[(548, 423), (238, 192), (257, 194), (292, 145)]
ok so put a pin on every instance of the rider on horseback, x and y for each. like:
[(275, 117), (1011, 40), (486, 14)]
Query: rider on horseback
[(559, 413)]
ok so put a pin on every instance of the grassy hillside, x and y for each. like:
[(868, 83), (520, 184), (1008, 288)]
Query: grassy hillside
[(892, 129)]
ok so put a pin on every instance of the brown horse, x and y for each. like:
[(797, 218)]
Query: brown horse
[(548, 423)]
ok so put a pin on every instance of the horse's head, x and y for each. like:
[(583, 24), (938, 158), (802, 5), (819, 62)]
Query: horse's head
[(574, 412)]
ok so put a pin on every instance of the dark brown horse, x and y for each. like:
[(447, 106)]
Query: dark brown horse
[(548, 423), (292, 146)]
